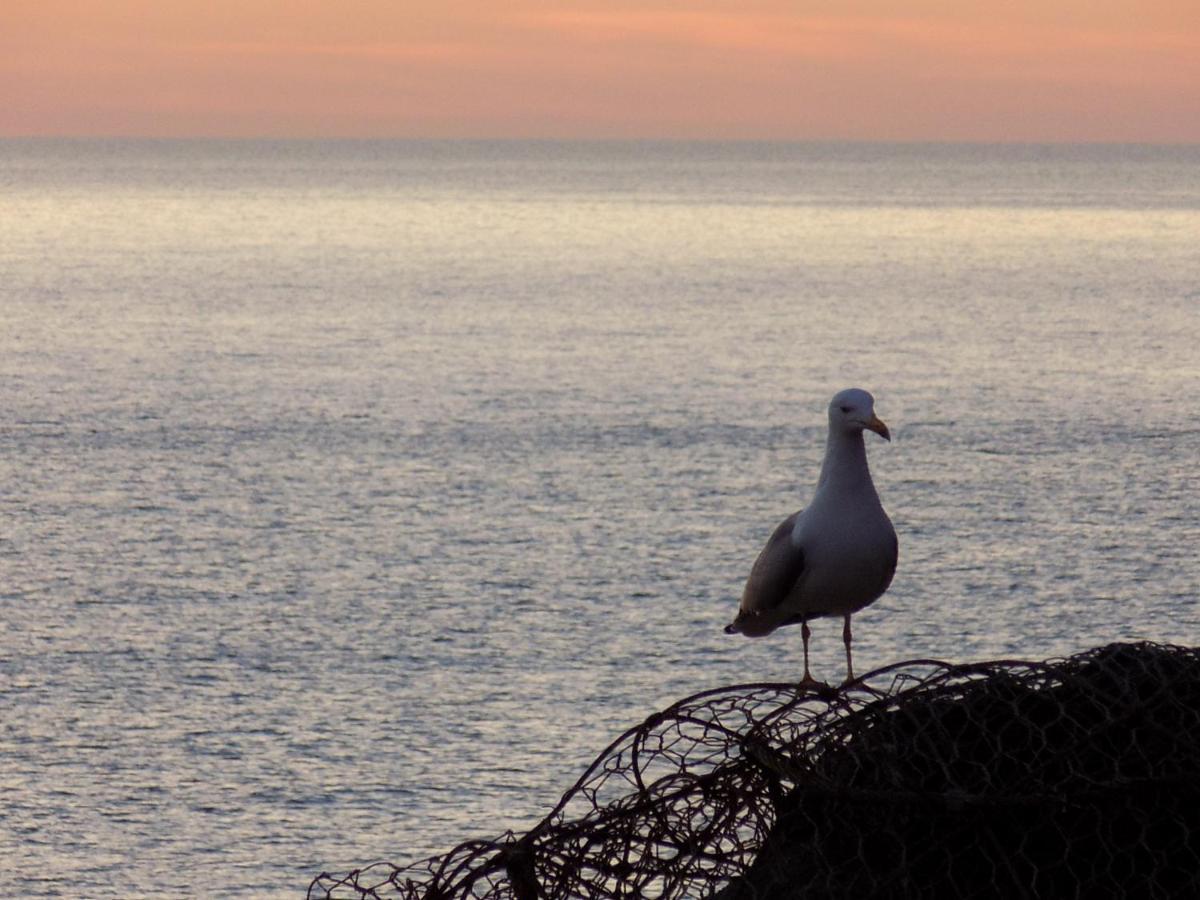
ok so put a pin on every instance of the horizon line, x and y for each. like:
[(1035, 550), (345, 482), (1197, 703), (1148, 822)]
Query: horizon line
[(582, 139)]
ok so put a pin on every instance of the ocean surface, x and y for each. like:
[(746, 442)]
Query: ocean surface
[(355, 495)]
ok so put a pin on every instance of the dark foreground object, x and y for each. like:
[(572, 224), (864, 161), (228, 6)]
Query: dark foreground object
[(1070, 778)]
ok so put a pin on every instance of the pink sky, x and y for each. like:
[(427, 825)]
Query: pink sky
[(1050, 70)]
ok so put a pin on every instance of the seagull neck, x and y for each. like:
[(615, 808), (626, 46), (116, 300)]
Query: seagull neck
[(845, 460)]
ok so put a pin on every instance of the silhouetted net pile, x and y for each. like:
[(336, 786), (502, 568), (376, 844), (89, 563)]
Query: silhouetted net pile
[(1071, 778)]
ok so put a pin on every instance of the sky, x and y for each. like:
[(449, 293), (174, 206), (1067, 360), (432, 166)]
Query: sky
[(1018, 70)]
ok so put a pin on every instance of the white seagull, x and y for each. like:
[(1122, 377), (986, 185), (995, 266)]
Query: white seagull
[(835, 557)]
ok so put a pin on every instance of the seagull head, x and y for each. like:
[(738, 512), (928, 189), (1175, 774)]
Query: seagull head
[(853, 410)]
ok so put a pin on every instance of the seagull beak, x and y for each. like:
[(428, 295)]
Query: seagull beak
[(877, 426)]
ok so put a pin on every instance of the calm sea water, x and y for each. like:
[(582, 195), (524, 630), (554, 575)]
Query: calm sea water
[(353, 496)]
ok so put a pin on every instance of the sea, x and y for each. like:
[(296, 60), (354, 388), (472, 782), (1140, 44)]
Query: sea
[(354, 495)]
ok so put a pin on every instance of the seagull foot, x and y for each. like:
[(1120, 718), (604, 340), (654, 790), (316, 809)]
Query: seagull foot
[(811, 685), (857, 684)]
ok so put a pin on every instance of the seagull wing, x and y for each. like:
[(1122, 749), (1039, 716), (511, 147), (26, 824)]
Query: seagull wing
[(776, 570)]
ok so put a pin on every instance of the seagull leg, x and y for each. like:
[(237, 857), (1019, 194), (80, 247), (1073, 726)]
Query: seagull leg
[(808, 681), (846, 637)]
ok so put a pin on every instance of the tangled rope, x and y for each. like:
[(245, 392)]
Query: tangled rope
[(1070, 778)]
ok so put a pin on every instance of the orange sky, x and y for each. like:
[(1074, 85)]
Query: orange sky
[(807, 69)]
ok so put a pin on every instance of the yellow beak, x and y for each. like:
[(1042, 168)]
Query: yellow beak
[(877, 426)]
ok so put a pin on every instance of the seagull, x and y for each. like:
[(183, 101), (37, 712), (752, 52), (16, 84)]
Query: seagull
[(834, 557)]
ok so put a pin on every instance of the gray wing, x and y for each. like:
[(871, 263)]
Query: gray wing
[(775, 571)]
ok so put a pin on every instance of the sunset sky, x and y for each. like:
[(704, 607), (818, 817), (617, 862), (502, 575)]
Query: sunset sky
[(1040, 70)]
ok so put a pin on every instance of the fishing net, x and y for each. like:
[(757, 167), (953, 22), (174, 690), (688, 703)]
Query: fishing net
[(1070, 778)]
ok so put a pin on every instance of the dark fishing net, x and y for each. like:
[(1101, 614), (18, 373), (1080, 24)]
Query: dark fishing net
[(1070, 778)]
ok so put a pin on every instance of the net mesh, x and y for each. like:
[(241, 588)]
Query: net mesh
[(1069, 778)]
